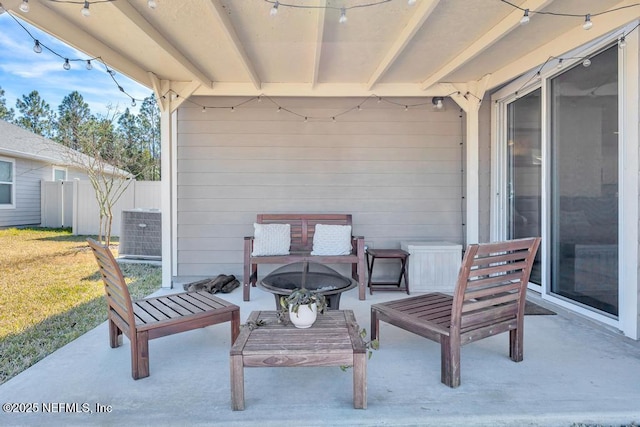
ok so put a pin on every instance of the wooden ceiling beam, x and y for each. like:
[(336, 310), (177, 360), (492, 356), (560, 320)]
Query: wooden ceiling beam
[(424, 9), (130, 13), (504, 27), (387, 90), (319, 40), (236, 43)]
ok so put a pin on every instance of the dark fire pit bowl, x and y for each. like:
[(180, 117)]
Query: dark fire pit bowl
[(318, 277)]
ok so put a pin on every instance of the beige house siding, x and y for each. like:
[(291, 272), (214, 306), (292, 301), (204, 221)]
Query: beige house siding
[(397, 172), (28, 174)]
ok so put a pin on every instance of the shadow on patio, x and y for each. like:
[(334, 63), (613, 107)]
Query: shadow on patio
[(573, 372)]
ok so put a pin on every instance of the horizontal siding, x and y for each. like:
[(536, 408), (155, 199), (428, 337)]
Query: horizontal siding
[(397, 172), (29, 173)]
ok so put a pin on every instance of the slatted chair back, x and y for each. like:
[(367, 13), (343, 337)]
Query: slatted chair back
[(491, 289), (117, 293)]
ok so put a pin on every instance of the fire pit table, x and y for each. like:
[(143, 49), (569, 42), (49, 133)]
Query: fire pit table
[(311, 276)]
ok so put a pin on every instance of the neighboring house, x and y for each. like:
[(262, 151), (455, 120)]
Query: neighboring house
[(297, 112), (27, 159)]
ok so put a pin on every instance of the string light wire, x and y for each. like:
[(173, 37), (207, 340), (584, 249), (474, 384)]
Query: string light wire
[(305, 117), (38, 46), (571, 15)]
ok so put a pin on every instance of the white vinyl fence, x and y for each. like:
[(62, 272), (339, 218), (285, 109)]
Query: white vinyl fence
[(73, 204)]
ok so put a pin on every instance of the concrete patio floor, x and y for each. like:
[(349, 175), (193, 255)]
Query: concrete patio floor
[(574, 372)]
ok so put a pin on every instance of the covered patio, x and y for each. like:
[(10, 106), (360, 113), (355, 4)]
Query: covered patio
[(574, 372), (299, 111), (396, 112)]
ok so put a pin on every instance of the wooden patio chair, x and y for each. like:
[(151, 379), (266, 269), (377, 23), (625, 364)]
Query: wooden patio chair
[(489, 299), (150, 318)]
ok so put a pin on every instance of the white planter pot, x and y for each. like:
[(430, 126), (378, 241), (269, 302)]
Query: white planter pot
[(305, 316)]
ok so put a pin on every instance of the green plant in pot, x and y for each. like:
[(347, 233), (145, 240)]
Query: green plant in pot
[(303, 306)]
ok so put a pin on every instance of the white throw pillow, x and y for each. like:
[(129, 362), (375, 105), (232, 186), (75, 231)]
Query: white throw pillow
[(332, 240), (271, 239)]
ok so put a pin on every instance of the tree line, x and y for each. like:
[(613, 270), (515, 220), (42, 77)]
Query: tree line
[(125, 140)]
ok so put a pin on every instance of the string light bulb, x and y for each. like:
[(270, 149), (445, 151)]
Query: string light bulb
[(274, 9), (560, 63), (66, 65), (24, 6), (622, 43), (204, 109), (152, 4), (343, 16), (437, 102), (586, 62), (587, 22), (37, 48), (89, 66), (525, 18), (133, 102), (85, 9)]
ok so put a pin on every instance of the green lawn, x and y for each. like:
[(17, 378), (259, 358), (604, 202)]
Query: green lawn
[(51, 293)]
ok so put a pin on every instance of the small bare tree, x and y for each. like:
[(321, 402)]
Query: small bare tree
[(104, 156)]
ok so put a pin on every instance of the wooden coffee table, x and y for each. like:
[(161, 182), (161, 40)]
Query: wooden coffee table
[(333, 340)]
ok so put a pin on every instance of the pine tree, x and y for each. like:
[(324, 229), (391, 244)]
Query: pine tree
[(73, 114), (5, 113), (36, 115), (149, 124)]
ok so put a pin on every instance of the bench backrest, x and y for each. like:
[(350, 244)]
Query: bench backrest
[(303, 226), (492, 284), (117, 293)]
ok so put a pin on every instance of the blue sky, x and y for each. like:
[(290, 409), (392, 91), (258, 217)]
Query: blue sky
[(22, 70)]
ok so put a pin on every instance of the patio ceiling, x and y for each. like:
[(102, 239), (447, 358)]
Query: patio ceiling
[(235, 48)]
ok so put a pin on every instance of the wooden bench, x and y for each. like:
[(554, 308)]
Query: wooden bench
[(489, 299), (302, 230), (151, 318)]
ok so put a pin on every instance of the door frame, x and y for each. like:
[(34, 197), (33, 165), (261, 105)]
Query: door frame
[(628, 69)]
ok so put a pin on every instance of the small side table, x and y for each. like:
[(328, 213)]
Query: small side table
[(399, 254)]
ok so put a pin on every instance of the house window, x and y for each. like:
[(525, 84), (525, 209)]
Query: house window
[(59, 174), (7, 183)]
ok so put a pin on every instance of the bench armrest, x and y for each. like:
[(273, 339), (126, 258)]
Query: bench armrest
[(357, 244)]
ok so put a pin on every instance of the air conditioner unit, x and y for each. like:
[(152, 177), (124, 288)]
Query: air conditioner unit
[(141, 234)]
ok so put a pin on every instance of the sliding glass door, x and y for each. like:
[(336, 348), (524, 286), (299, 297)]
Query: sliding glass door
[(524, 167), (584, 183)]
